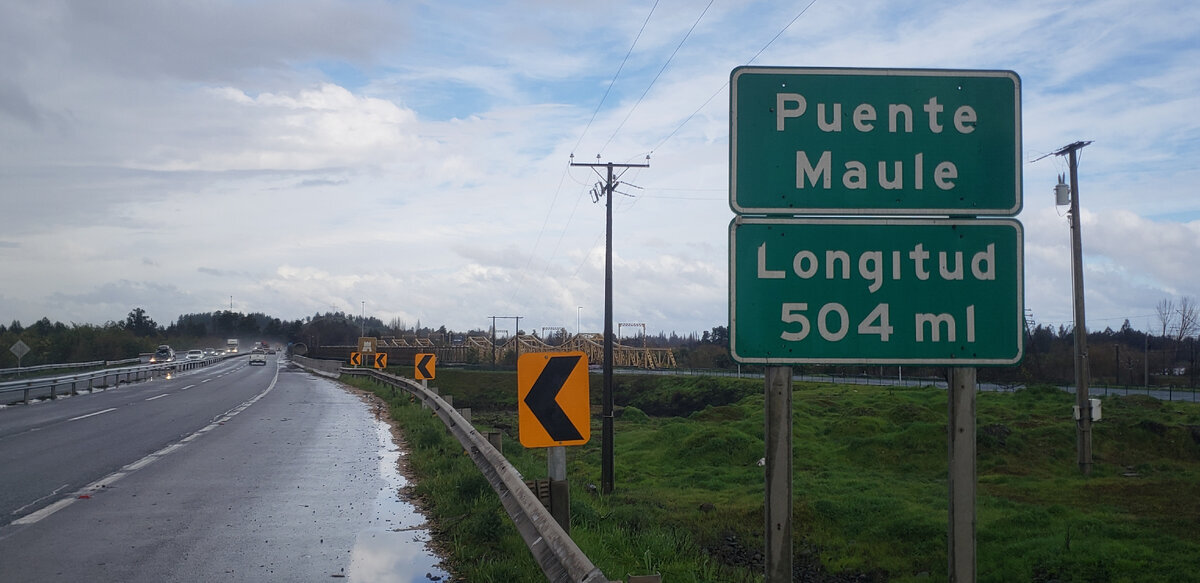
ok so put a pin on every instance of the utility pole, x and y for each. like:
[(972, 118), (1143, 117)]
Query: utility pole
[(1083, 426), (606, 427), (518, 341)]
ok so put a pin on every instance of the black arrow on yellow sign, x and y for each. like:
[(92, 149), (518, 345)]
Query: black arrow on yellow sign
[(541, 399), (355, 359), (425, 366)]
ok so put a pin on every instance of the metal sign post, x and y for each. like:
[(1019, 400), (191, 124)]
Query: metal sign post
[(779, 473), (961, 448)]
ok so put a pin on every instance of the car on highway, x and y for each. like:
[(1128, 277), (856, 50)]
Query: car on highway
[(258, 358), (195, 354), (163, 354)]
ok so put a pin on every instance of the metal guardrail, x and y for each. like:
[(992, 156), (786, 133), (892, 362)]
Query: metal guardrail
[(66, 365), (52, 387), (38, 367), (558, 556)]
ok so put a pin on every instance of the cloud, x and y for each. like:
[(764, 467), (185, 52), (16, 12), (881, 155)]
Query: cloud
[(314, 182), (222, 272), (14, 102), (307, 156)]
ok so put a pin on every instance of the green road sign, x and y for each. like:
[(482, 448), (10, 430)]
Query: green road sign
[(876, 291), (874, 142)]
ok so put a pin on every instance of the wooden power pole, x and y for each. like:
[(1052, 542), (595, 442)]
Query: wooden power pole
[(606, 427), (1083, 425)]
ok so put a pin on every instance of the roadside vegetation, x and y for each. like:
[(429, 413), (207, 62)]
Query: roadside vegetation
[(869, 484), (1164, 357)]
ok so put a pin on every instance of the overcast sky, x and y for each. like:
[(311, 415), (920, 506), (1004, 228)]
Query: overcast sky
[(305, 156)]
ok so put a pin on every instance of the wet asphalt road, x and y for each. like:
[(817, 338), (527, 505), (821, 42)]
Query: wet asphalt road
[(238, 473)]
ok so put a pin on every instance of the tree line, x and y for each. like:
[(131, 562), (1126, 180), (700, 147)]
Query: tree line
[(1117, 357)]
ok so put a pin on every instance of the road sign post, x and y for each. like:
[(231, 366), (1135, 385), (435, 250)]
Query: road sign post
[(553, 411), (778, 412), (961, 475)]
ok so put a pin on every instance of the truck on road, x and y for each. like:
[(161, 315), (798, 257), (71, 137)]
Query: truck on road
[(231, 346)]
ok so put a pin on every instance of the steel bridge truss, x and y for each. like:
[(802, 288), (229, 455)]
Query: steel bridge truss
[(588, 343)]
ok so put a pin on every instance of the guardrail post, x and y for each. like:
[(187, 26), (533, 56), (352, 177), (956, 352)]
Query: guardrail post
[(496, 439), (656, 578), (53, 391)]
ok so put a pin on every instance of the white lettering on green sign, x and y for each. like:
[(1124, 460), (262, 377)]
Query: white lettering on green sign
[(888, 174), (873, 269)]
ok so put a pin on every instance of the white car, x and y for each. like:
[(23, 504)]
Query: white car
[(258, 358), (195, 354)]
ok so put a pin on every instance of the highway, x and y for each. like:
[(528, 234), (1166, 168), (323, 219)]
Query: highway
[(229, 472)]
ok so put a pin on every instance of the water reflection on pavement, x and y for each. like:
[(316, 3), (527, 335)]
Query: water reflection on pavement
[(395, 549)]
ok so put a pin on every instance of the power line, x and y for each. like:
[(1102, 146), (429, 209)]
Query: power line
[(726, 84), (566, 170), (607, 91), (660, 72), (784, 29), (542, 231), (615, 75)]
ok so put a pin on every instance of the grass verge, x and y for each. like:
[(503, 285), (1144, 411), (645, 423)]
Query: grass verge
[(869, 484)]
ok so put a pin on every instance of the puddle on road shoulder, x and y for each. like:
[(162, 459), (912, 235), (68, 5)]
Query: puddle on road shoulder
[(395, 549)]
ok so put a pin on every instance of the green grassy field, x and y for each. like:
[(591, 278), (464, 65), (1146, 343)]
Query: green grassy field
[(869, 484)]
